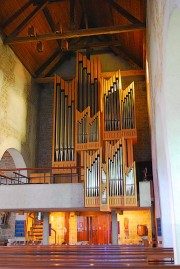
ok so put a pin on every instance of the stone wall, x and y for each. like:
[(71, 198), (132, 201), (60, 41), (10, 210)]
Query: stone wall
[(135, 218), (45, 126), (18, 107)]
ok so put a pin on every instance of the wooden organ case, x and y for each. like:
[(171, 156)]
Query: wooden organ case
[(95, 129)]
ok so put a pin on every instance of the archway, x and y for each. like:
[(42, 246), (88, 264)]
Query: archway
[(12, 159)]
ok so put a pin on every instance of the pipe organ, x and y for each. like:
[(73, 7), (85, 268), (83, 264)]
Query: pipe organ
[(95, 128), (64, 124)]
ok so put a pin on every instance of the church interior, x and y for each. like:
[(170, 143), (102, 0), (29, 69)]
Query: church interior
[(89, 105)]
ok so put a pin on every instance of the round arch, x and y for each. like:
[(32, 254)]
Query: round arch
[(17, 159)]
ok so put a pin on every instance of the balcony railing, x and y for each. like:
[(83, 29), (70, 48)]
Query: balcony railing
[(16, 176)]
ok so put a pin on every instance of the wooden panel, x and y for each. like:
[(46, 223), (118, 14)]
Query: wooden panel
[(40, 178)]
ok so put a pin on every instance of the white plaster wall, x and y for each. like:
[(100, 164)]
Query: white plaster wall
[(145, 194), (155, 58), (42, 197), (163, 59), (172, 104)]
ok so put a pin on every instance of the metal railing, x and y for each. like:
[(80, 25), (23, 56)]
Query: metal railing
[(17, 176)]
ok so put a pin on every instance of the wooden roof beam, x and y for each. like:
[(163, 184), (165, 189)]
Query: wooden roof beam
[(16, 14), (78, 33), (28, 19), (49, 64), (124, 73), (91, 45), (123, 12), (51, 69), (50, 22)]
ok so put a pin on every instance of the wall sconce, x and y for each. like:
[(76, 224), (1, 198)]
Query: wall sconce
[(31, 31), (39, 46), (64, 44), (58, 28)]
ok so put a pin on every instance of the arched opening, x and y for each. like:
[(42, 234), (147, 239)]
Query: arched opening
[(11, 159)]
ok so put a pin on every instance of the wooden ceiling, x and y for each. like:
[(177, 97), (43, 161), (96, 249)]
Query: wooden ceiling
[(43, 34)]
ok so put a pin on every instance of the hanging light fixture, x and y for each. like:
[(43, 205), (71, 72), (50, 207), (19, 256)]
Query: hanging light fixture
[(31, 31), (39, 46), (64, 44)]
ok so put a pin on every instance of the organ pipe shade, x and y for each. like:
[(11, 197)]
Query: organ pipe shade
[(93, 121), (64, 123)]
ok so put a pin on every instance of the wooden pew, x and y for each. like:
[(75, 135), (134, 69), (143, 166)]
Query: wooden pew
[(105, 256)]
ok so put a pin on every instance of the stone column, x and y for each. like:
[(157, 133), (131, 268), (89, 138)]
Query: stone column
[(46, 228), (114, 228)]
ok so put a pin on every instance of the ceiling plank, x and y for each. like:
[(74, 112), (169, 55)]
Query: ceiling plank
[(16, 14), (78, 33), (72, 23), (85, 13), (123, 12), (28, 19)]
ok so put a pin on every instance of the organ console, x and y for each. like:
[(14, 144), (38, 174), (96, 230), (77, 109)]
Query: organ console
[(94, 126)]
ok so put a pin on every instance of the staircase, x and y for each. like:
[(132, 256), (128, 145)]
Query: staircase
[(36, 231)]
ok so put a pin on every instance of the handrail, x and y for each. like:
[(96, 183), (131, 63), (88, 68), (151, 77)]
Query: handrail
[(44, 173), (54, 233), (41, 168), (6, 177), (20, 175)]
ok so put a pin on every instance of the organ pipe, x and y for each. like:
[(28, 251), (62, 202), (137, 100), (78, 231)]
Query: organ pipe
[(94, 119), (64, 121)]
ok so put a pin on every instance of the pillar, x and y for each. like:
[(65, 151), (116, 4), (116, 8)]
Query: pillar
[(114, 228), (46, 228)]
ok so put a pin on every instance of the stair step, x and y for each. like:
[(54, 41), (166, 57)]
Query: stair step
[(36, 231)]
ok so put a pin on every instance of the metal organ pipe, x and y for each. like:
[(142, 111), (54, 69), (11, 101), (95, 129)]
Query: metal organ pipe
[(93, 178), (129, 181), (115, 171), (57, 125), (128, 109), (64, 123), (111, 105)]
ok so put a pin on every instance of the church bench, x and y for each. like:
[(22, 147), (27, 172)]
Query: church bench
[(80, 257), (150, 253)]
